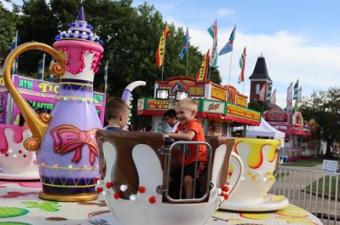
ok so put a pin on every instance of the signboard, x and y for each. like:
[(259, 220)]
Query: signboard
[(329, 167), (276, 115), (213, 107), (157, 104), (238, 111), (218, 93), (41, 95), (241, 100)]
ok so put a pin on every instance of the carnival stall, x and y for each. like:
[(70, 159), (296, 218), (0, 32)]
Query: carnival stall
[(295, 128), (219, 107)]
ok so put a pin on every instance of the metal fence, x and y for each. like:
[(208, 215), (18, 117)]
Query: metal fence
[(311, 190)]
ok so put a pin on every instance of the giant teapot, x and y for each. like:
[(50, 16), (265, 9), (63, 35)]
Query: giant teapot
[(67, 152)]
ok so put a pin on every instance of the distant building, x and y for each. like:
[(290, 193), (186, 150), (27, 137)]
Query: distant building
[(258, 79)]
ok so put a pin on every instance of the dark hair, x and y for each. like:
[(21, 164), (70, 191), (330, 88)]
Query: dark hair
[(170, 113), (114, 107)]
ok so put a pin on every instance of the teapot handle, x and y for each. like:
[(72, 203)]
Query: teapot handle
[(37, 124)]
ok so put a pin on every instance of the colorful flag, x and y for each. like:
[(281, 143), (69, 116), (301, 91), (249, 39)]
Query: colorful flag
[(185, 46), (263, 93), (202, 72), (106, 73), (229, 46), (242, 65), (213, 33), (290, 97), (269, 91), (160, 53), (296, 89), (273, 98)]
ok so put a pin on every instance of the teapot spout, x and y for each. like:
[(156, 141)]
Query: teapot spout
[(37, 124)]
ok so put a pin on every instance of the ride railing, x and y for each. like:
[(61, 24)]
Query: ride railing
[(312, 190), (175, 171)]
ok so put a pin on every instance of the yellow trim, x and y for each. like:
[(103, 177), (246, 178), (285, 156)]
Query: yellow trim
[(69, 198), (69, 186), (76, 83), (67, 168)]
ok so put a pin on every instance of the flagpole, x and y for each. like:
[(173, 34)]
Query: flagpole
[(106, 75), (187, 63), (231, 60), (15, 66), (43, 68)]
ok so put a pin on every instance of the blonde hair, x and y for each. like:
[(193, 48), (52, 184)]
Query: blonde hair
[(187, 104)]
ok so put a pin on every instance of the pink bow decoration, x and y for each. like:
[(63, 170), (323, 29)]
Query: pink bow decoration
[(68, 138)]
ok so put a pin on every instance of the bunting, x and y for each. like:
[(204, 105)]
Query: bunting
[(230, 44), (296, 90), (273, 98), (185, 46), (290, 97)]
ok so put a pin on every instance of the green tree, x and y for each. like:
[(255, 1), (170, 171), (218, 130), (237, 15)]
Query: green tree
[(324, 108), (8, 22)]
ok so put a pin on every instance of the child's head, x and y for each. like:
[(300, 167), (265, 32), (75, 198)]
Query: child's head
[(170, 117), (116, 112), (186, 110)]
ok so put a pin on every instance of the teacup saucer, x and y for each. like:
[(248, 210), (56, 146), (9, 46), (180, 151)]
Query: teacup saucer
[(32, 174), (270, 203), (108, 219)]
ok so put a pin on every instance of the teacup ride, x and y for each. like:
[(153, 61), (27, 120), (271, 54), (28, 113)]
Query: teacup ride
[(16, 163), (135, 179)]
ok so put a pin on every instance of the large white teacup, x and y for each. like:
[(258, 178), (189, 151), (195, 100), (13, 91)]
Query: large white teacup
[(259, 158), (132, 175), (14, 158)]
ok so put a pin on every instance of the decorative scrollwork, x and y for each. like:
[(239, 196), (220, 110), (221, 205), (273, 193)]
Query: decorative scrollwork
[(32, 144)]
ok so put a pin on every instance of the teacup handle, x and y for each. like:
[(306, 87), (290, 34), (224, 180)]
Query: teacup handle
[(235, 179)]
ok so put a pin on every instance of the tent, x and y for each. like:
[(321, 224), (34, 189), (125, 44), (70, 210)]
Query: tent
[(265, 130)]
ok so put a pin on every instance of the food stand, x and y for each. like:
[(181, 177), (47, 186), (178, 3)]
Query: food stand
[(219, 107)]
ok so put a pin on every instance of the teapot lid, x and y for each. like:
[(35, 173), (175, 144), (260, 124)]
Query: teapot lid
[(79, 30)]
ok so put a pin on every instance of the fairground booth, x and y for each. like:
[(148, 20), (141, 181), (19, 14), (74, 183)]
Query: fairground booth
[(219, 107), (295, 128)]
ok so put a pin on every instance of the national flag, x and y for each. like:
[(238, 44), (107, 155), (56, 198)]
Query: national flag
[(213, 33), (202, 72), (296, 89), (242, 63), (273, 98), (106, 73), (185, 46), (290, 97), (269, 91), (160, 53), (229, 46), (263, 93)]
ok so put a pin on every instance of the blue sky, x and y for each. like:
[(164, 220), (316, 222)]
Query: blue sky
[(300, 39)]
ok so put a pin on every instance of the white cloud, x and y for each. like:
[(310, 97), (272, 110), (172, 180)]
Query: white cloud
[(225, 12), (288, 56)]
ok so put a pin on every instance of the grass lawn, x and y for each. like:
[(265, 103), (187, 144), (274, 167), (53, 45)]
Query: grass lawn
[(327, 186), (304, 163)]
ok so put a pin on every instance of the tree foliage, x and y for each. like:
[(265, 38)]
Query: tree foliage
[(324, 108), (8, 22)]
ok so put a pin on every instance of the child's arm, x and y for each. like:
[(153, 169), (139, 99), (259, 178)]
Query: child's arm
[(187, 136)]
